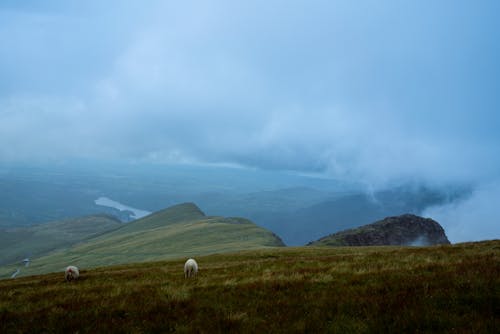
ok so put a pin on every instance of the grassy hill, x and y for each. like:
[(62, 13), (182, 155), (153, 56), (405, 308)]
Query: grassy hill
[(19, 243), (452, 288), (181, 230)]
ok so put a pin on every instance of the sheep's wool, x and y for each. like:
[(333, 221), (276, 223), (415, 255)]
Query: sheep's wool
[(190, 268), (71, 273)]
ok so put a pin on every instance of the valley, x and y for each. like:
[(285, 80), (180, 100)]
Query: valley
[(54, 214), (298, 208)]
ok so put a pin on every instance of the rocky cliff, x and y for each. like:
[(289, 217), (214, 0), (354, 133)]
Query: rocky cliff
[(401, 230)]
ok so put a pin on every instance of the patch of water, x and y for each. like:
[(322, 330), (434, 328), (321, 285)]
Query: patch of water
[(137, 213)]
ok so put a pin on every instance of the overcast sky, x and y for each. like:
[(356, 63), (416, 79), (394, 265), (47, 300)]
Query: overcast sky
[(367, 90)]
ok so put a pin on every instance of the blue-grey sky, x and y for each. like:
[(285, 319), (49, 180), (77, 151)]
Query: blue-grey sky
[(377, 91)]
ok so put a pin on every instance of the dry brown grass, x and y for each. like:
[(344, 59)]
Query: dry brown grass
[(373, 289)]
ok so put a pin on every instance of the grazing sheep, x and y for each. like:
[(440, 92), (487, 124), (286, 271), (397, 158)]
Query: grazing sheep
[(71, 273), (190, 268)]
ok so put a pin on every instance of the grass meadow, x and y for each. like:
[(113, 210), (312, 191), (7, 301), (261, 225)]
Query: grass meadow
[(454, 288)]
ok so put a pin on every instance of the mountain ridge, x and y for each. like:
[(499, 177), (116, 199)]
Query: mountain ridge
[(178, 231), (170, 215)]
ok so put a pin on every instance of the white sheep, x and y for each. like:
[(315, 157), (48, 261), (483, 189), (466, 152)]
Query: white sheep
[(71, 273), (190, 268)]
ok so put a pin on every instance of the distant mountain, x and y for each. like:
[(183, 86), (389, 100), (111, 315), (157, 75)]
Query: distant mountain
[(302, 214), (19, 243), (409, 230), (356, 209), (179, 231)]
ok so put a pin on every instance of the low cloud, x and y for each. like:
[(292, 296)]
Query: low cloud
[(475, 218)]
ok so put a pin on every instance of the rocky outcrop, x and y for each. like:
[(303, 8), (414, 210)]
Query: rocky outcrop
[(408, 229)]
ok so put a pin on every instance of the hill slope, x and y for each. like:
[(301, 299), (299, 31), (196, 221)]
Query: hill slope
[(400, 230), (17, 244), (280, 290), (179, 231)]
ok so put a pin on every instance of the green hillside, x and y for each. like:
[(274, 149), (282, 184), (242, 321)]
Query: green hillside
[(440, 289), (180, 231), (17, 244)]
